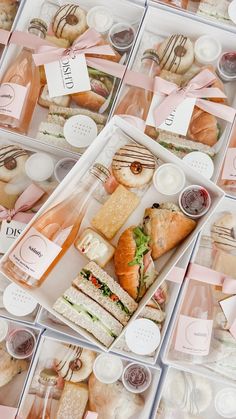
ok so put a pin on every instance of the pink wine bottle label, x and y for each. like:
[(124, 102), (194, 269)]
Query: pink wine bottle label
[(34, 253), (193, 335), (229, 169), (12, 99)]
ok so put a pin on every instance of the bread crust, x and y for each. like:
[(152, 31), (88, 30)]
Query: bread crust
[(166, 229), (128, 276), (89, 100)]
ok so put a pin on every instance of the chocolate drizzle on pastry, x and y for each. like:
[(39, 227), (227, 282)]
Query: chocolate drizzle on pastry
[(9, 155), (73, 365), (176, 46), (67, 18), (227, 234), (135, 157)]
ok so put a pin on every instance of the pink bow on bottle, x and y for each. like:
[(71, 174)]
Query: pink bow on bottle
[(196, 88), (25, 202)]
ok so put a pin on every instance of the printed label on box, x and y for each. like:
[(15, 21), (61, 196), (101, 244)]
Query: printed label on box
[(9, 231), (178, 121), (34, 253), (12, 99), (229, 169), (67, 75), (193, 335)]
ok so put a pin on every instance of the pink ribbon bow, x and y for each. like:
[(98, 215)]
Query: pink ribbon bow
[(25, 201), (196, 88), (87, 43), (203, 274)]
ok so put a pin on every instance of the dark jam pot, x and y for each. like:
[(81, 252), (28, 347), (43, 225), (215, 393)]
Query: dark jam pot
[(194, 201), (136, 378), (226, 67), (20, 343), (121, 36)]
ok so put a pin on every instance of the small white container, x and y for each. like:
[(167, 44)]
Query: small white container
[(194, 201), (225, 402), (107, 368), (63, 167), (207, 49), (39, 167), (18, 302), (143, 336), (169, 179), (100, 19), (80, 131)]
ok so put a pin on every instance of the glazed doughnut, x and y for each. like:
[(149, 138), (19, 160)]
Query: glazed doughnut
[(77, 364), (12, 162), (69, 22), (223, 232), (176, 54), (188, 392), (133, 166)]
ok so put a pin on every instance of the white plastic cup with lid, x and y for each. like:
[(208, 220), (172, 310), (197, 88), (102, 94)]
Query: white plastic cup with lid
[(136, 377), (107, 368), (207, 49), (169, 179)]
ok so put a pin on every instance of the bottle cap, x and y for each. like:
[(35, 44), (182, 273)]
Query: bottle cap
[(201, 162), (17, 301), (63, 167), (100, 172), (225, 402), (151, 54), (48, 376), (107, 368), (80, 131), (143, 336), (3, 329), (38, 25)]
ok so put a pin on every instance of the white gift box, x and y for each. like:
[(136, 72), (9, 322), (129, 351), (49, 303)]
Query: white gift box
[(11, 393), (160, 22), (47, 293), (181, 394), (122, 10), (49, 349), (219, 364)]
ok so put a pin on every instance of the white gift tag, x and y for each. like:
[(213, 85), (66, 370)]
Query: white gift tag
[(178, 121), (68, 75), (229, 308), (9, 231)]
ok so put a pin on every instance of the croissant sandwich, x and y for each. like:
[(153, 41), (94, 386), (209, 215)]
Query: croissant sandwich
[(166, 226), (134, 266)]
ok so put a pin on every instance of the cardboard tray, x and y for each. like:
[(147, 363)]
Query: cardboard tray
[(71, 262), (169, 22), (49, 347)]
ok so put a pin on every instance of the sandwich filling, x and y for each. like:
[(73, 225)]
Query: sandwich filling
[(80, 308), (105, 290), (142, 258)]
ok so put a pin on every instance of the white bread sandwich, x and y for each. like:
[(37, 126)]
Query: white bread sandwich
[(97, 284), (217, 10), (60, 114), (52, 134)]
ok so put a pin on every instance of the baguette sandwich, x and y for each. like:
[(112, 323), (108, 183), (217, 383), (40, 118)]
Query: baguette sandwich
[(133, 263)]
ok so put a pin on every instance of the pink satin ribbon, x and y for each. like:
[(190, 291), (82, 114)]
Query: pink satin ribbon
[(176, 275), (4, 36), (87, 43), (196, 88), (25, 202), (203, 274)]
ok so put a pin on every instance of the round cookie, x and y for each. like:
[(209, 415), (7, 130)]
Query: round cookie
[(223, 232), (69, 22), (176, 54), (133, 166), (12, 162)]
